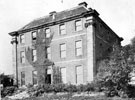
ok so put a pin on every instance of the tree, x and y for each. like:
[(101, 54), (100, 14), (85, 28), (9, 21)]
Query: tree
[(115, 72), (6, 80)]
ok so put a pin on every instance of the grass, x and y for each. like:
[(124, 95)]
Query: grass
[(66, 97)]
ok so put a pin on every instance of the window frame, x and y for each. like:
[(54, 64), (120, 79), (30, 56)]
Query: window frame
[(62, 29), (78, 27), (34, 77), (34, 56), (77, 74), (65, 81), (22, 57), (34, 37), (78, 48), (22, 78), (46, 33), (48, 54), (63, 51), (22, 38)]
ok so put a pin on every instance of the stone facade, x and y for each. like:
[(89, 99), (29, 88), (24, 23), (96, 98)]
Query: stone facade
[(95, 37)]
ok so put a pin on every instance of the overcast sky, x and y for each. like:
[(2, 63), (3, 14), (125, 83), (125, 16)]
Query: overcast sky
[(14, 14)]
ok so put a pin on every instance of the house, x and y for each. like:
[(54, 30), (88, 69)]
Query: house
[(75, 40)]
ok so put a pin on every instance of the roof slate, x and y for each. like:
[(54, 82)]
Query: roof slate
[(59, 16)]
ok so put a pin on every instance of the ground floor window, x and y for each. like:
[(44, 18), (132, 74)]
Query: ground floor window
[(63, 75), (22, 78), (34, 74), (79, 74)]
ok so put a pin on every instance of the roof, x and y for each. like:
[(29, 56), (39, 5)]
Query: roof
[(58, 16)]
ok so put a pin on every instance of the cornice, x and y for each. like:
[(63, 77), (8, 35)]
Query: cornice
[(15, 33)]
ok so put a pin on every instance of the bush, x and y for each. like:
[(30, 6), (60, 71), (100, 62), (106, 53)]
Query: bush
[(8, 91)]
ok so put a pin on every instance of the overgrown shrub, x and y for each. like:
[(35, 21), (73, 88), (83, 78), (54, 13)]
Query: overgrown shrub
[(7, 91), (114, 73)]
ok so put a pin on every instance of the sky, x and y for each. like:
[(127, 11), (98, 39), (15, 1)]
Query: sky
[(14, 14)]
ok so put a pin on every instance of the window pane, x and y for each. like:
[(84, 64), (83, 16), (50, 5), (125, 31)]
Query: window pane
[(22, 38), (79, 75), (34, 52), (63, 54), (47, 31), (34, 35), (63, 75), (49, 71), (22, 57), (78, 51), (63, 47), (48, 50), (62, 29), (34, 55), (63, 50), (34, 73), (22, 78), (78, 25), (78, 44), (78, 47), (49, 56)]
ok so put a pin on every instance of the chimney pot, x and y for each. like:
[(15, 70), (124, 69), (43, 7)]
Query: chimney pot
[(52, 13), (83, 4)]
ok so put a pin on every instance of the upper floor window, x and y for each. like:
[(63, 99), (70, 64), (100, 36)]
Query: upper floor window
[(78, 47), (89, 19), (34, 55), (48, 50), (22, 57), (34, 35), (62, 29), (22, 78), (34, 74), (47, 33), (78, 25), (22, 40), (63, 50)]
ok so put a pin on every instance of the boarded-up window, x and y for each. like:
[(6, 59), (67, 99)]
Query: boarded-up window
[(34, 74), (22, 57), (79, 74), (22, 78), (63, 75), (78, 48), (63, 50)]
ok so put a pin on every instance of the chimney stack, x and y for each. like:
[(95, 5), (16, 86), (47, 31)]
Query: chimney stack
[(83, 4), (53, 13)]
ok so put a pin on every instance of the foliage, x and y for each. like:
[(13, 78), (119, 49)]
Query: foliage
[(6, 80), (114, 73), (8, 91), (56, 75)]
